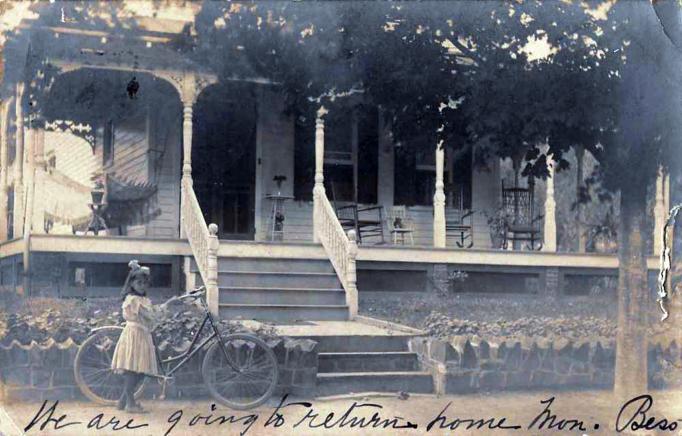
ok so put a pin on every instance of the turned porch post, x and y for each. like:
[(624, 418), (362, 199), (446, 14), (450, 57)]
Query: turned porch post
[(318, 189), (187, 111), (660, 210), (19, 161), (212, 290), (188, 96), (439, 200), (549, 230), (351, 275)]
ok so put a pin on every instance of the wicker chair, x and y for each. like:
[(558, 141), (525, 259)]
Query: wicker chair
[(523, 225)]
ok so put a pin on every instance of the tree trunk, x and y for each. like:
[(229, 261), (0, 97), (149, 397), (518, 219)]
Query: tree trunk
[(633, 297)]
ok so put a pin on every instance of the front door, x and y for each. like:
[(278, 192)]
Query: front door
[(223, 159)]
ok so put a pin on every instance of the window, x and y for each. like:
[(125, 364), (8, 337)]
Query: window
[(339, 156), (108, 143), (304, 157), (415, 175), (350, 155), (106, 274)]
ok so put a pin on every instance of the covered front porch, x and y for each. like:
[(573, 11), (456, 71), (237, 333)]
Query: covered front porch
[(184, 165)]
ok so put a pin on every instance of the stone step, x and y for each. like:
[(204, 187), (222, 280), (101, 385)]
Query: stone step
[(288, 279), (355, 343), (283, 312), (357, 382), (282, 296), (267, 264), (382, 361)]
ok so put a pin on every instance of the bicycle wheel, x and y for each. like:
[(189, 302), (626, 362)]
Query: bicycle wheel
[(92, 368), (255, 379)]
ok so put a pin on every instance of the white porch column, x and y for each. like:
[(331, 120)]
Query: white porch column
[(439, 200), (660, 211), (386, 165), (19, 162), (579, 154), (549, 231), (318, 189), (187, 111), (188, 93), (4, 166), (37, 200)]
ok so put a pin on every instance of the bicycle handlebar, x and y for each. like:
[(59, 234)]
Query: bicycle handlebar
[(196, 293)]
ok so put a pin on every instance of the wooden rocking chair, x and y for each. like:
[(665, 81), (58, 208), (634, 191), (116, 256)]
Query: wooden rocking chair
[(458, 220), (368, 222), (522, 223)]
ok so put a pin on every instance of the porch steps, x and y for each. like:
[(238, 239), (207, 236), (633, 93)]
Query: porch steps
[(359, 344), (374, 361), (282, 312), (288, 279), (371, 363), (269, 264), (278, 289), (282, 296)]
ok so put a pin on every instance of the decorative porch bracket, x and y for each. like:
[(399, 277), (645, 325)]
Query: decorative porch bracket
[(204, 242), (341, 249)]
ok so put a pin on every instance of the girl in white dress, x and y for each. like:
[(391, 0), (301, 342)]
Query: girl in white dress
[(135, 354)]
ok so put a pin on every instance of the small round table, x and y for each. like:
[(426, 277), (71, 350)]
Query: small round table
[(276, 220)]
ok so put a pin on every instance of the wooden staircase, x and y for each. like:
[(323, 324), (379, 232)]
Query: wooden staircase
[(278, 290)]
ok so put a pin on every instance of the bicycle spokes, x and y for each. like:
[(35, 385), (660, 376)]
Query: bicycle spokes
[(242, 372), (95, 369)]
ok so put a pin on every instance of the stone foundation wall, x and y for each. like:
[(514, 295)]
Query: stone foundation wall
[(477, 366), (45, 372)]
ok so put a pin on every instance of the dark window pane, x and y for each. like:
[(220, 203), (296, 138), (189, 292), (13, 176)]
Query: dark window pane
[(100, 274), (304, 158), (368, 154), (10, 212), (338, 182), (108, 143)]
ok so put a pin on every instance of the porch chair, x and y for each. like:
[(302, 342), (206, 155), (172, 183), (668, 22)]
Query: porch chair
[(522, 225), (368, 222), (459, 222), (400, 224)]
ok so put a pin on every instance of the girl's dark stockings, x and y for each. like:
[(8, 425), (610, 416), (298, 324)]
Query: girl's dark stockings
[(131, 381)]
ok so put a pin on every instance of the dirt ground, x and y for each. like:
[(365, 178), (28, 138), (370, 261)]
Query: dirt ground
[(596, 409)]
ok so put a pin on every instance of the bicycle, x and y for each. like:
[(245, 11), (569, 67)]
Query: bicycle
[(240, 371)]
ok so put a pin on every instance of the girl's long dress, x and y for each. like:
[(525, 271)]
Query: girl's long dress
[(135, 348)]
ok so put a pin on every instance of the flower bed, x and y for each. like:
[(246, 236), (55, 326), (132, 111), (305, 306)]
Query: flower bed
[(39, 339)]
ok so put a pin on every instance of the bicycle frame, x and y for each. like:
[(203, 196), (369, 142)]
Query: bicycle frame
[(192, 350)]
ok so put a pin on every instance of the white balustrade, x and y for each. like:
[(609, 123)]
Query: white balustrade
[(204, 242), (341, 249)]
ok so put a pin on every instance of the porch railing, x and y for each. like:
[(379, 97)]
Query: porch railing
[(203, 239), (341, 249)]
